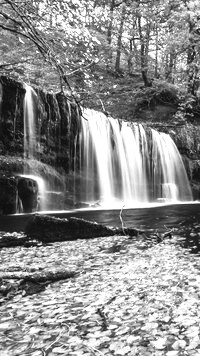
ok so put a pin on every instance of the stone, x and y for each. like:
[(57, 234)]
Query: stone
[(47, 229), (8, 195), (28, 194)]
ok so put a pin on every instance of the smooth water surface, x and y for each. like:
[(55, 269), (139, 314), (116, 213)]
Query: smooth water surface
[(159, 217)]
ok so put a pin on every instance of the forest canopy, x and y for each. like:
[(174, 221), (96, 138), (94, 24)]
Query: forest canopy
[(62, 44)]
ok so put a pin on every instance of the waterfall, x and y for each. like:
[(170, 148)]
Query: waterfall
[(30, 140), (124, 164), (114, 163), (169, 172)]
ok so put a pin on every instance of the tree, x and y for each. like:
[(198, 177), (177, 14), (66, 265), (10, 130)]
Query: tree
[(63, 41), (55, 31), (119, 39)]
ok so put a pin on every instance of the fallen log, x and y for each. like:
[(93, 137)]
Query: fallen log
[(12, 239), (11, 283), (50, 229), (39, 276), (17, 239)]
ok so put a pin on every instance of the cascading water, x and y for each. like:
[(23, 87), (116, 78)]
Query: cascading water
[(114, 163), (168, 169), (30, 140), (121, 165)]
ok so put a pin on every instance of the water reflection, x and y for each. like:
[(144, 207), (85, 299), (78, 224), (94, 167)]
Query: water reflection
[(184, 219)]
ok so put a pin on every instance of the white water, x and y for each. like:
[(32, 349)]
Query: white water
[(122, 167), (30, 140), (169, 171)]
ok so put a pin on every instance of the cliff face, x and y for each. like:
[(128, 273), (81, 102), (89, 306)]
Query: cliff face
[(11, 117), (187, 139), (58, 123), (52, 155)]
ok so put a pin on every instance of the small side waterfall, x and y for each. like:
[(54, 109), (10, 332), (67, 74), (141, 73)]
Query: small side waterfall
[(123, 164), (30, 140)]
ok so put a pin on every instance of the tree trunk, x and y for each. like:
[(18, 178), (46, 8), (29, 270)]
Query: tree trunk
[(192, 67), (144, 51), (119, 40), (130, 57), (156, 55), (109, 32), (170, 62), (110, 25)]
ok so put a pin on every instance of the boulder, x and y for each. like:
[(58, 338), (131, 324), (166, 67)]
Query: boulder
[(50, 229), (28, 194), (8, 195)]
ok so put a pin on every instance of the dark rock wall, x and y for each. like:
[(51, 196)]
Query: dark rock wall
[(187, 139), (11, 117), (57, 123), (18, 194)]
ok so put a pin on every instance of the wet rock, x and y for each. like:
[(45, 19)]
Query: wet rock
[(11, 118), (50, 229), (8, 195), (28, 193)]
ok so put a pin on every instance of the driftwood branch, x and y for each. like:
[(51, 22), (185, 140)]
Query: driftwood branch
[(102, 314), (121, 219), (15, 63)]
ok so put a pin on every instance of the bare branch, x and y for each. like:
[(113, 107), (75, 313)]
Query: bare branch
[(7, 17), (81, 68), (14, 63)]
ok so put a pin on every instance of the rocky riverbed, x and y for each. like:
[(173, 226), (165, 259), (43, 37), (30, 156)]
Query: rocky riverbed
[(124, 297)]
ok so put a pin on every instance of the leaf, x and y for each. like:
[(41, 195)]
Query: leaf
[(37, 353), (21, 41), (123, 351), (59, 350), (172, 353), (193, 343), (166, 319), (5, 326), (113, 326), (131, 339), (179, 344), (159, 344), (34, 330)]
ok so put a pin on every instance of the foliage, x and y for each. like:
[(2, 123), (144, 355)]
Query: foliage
[(160, 93), (188, 108), (61, 44)]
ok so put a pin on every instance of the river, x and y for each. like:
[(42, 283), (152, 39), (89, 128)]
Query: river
[(160, 217)]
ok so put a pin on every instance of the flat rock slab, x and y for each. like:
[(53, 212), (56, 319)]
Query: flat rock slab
[(50, 229)]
